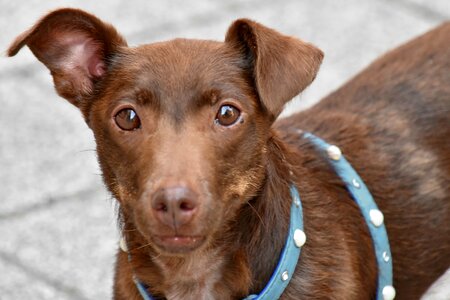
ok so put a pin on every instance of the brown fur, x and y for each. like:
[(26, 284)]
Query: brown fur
[(391, 121)]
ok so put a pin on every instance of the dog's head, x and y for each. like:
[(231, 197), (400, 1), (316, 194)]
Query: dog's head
[(181, 126)]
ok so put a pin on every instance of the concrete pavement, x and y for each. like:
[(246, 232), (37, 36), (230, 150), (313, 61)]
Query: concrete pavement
[(57, 222)]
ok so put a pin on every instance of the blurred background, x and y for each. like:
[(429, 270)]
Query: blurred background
[(57, 222)]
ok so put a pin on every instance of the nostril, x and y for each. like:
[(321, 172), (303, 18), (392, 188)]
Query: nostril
[(186, 205), (161, 207)]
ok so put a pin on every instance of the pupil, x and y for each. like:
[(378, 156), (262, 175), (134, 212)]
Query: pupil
[(227, 112)]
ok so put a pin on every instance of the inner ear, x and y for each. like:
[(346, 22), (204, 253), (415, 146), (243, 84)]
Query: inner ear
[(84, 52), (245, 41), (76, 62), (75, 46)]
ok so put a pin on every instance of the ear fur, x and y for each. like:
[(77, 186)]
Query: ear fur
[(75, 46), (282, 66)]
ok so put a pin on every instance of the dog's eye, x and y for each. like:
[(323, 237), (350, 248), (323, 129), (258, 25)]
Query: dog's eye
[(127, 119), (227, 115)]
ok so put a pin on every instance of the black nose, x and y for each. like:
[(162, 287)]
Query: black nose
[(174, 206)]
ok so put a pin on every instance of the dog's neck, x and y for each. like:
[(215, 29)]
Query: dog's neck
[(243, 263), (266, 218)]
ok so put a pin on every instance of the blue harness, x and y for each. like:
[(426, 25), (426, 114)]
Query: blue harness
[(296, 237)]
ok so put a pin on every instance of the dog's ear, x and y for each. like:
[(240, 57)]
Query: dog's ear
[(75, 46), (282, 66)]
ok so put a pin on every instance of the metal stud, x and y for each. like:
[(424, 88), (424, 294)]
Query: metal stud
[(135, 279), (388, 292), (334, 152), (123, 245), (376, 217), (356, 184), (386, 257), (285, 276), (299, 238), (297, 202)]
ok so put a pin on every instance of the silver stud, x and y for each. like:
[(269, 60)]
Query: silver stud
[(376, 217), (123, 245), (297, 202), (334, 152), (388, 292), (299, 238), (285, 276), (356, 184), (386, 257), (135, 279)]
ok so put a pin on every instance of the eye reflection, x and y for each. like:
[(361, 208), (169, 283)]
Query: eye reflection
[(127, 119), (227, 115)]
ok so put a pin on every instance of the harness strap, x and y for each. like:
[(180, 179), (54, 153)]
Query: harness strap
[(372, 215), (289, 257)]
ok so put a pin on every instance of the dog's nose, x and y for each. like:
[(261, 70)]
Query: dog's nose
[(174, 206)]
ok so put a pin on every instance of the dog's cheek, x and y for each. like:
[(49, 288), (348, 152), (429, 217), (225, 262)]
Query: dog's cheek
[(140, 215), (117, 165), (240, 180)]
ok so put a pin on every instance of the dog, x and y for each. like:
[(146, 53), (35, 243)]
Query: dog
[(190, 146)]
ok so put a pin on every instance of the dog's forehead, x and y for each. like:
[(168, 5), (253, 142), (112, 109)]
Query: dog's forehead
[(181, 62), (177, 73)]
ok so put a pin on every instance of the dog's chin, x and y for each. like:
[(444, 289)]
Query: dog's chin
[(178, 244)]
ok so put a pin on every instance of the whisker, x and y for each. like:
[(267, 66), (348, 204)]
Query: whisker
[(86, 150), (256, 212), (155, 257), (140, 247)]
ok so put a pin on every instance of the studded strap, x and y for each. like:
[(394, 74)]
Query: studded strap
[(372, 215), (289, 257)]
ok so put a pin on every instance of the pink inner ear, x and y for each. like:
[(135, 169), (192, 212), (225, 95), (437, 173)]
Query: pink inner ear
[(96, 67), (83, 53)]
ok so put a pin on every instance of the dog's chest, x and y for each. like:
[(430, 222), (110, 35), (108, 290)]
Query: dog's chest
[(194, 277)]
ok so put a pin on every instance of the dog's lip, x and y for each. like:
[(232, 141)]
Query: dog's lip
[(179, 243)]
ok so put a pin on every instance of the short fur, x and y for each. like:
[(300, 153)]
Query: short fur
[(391, 121)]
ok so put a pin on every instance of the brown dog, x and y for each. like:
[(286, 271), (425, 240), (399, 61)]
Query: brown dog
[(188, 146)]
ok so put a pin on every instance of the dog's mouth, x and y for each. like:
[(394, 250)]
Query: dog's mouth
[(178, 244)]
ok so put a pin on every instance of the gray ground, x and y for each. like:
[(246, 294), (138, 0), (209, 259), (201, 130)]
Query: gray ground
[(57, 222)]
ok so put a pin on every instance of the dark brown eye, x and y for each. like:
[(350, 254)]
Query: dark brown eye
[(227, 115), (127, 119)]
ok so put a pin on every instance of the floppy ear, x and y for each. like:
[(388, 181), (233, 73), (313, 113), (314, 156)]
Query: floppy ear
[(282, 66), (75, 46)]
